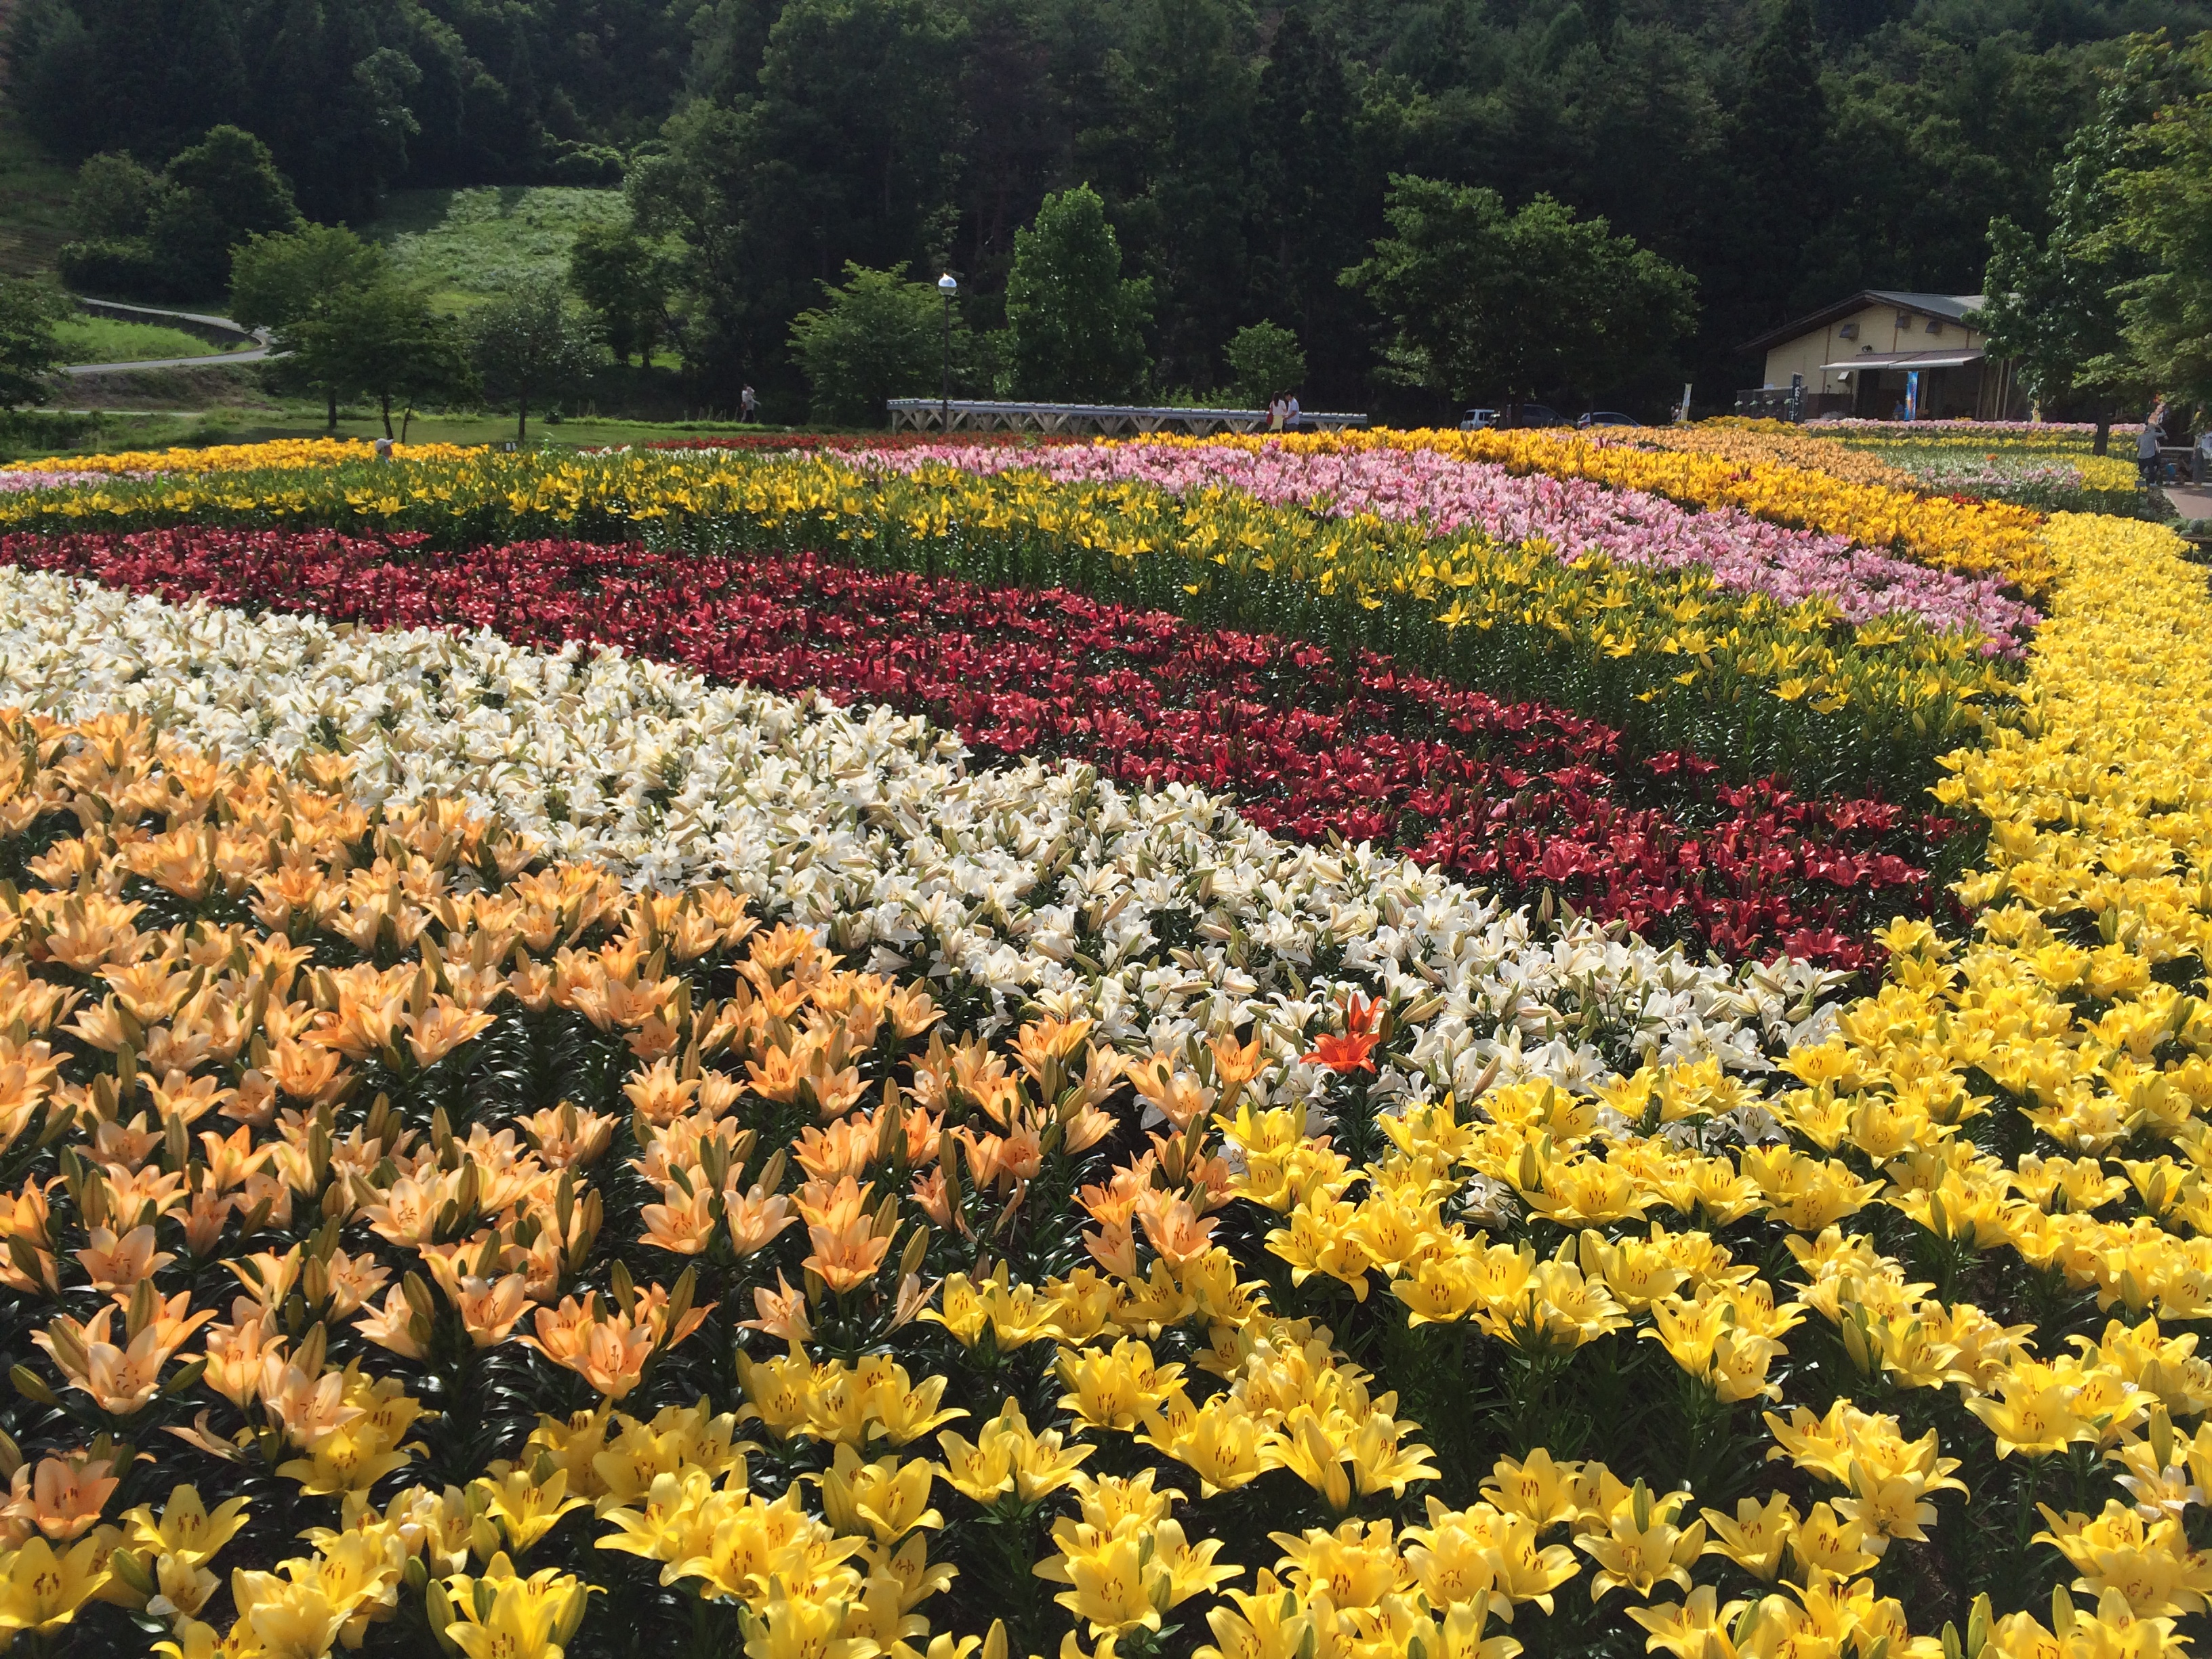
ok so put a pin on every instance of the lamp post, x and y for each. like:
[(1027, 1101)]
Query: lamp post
[(948, 288)]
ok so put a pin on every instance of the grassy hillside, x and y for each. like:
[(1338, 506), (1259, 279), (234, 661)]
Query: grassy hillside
[(106, 340), (34, 194), (469, 245)]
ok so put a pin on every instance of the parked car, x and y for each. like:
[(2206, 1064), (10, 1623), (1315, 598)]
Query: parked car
[(1516, 415), (1607, 418)]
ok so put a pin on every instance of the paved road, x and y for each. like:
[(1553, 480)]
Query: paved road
[(252, 355)]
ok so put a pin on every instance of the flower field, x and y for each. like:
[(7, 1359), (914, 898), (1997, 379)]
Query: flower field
[(1396, 1048), (2048, 466)]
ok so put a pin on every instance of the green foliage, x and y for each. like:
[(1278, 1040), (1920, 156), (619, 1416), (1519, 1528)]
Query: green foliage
[(354, 95), (2054, 309), (1075, 324), (28, 350), (171, 238), (876, 337), (392, 346), (111, 269), (626, 280), (280, 281), (528, 349), (88, 339), (2166, 217), (350, 324), (1784, 152), (469, 246), (113, 199), (1264, 361), (1533, 303), (842, 146), (213, 197)]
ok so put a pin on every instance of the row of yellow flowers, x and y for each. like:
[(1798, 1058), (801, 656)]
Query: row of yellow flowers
[(1981, 537), (1774, 472), (2033, 1105), (1778, 442), (279, 453), (1668, 655), (254, 1211), (1865, 458)]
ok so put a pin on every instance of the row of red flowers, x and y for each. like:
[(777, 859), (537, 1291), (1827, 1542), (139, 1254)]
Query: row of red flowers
[(1523, 796)]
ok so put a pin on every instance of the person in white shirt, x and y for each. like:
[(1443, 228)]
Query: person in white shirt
[(1291, 413)]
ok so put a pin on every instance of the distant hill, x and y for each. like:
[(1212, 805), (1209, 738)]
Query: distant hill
[(1783, 151), (469, 245)]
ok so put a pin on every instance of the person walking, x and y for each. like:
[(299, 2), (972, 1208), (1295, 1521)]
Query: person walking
[(1275, 413), (2147, 441), (1291, 413), (748, 405)]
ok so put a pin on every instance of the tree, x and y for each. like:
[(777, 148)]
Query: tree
[(1521, 305), (1076, 324), (528, 348), (1316, 200), (2055, 310), (295, 283), (397, 347), (29, 350), (625, 280), (114, 198), (214, 195), (845, 147), (2166, 218), (332, 97), (1264, 362), (876, 337), (1778, 133), (1177, 169), (149, 77)]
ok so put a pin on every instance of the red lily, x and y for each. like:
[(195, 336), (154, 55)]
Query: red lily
[(1354, 1050)]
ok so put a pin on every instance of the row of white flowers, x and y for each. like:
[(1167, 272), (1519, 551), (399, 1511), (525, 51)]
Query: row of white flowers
[(1162, 915)]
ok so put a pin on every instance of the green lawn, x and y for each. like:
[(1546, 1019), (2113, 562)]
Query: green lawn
[(575, 433), (467, 245), (86, 339)]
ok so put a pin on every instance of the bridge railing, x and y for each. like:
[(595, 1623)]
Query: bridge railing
[(964, 415)]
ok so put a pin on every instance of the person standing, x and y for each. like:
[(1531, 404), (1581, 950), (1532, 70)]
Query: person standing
[(1291, 413), (1275, 413), (748, 405)]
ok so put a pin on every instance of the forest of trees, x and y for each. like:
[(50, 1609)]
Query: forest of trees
[(1780, 152)]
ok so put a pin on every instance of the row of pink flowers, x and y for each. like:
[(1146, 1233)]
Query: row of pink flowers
[(1575, 516), (1863, 428)]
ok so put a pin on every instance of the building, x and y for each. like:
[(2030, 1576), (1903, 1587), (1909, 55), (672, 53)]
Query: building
[(1862, 354)]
